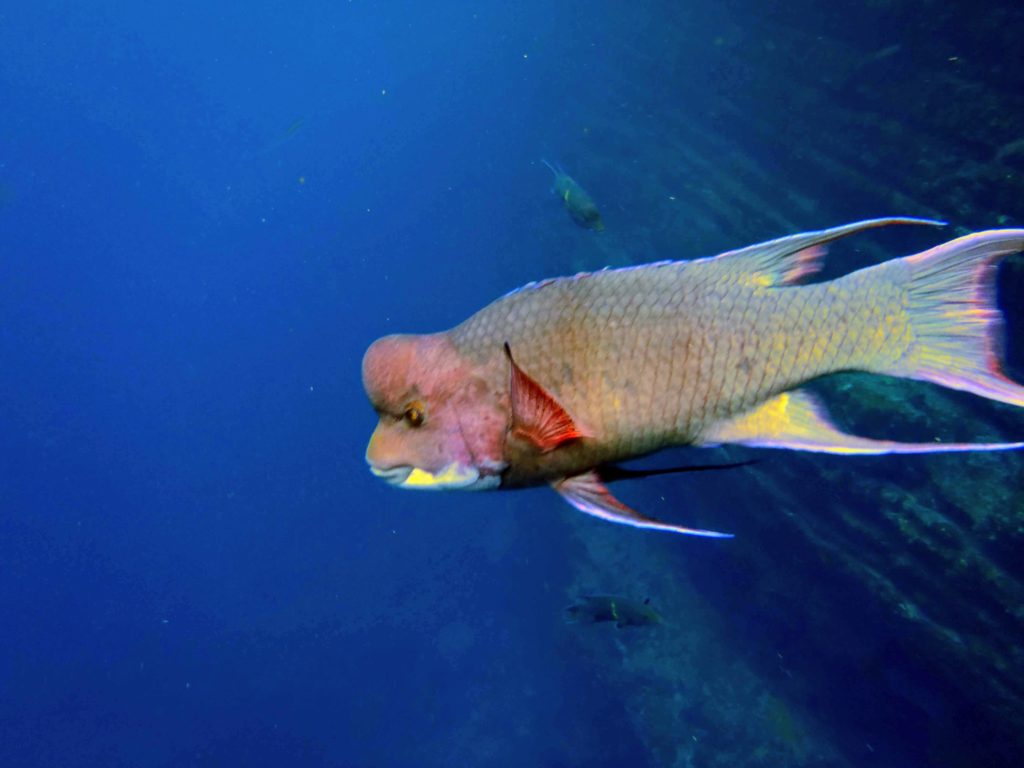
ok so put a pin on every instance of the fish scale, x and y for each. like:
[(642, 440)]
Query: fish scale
[(676, 371)]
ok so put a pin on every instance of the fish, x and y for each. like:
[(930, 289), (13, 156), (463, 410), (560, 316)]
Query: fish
[(561, 378), (281, 139), (594, 609), (578, 203)]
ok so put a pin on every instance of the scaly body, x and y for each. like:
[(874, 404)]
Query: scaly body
[(653, 356)]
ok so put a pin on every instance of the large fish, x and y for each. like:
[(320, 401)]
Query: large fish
[(557, 381)]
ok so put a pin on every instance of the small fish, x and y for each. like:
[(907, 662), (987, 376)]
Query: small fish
[(593, 609), (577, 202), (283, 138), (561, 379)]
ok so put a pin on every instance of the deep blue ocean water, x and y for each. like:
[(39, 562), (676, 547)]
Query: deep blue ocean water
[(207, 213)]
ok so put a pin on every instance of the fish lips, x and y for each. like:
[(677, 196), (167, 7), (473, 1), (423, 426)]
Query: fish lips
[(394, 475), (452, 477)]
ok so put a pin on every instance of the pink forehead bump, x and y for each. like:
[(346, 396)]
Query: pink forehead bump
[(386, 365)]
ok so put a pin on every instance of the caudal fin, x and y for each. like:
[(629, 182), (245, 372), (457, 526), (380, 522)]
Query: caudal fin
[(955, 323)]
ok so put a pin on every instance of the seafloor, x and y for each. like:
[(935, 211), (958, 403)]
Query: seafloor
[(869, 611)]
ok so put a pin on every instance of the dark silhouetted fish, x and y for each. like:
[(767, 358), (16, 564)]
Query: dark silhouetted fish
[(594, 609)]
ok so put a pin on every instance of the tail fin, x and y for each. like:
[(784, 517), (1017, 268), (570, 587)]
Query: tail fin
[(954, 318)]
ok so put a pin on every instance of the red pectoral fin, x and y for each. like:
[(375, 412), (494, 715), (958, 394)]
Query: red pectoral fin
[(536, 415), (588, 494)]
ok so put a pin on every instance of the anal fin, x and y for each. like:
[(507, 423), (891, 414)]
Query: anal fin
[(589, 495), (797, 420)]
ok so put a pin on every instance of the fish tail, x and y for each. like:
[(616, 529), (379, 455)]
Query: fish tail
[(954, 323)]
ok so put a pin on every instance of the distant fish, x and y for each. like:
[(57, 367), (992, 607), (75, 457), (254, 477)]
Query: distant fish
[(283, 138), (593, 609), (577, 202), (613, 365), (885, 53)]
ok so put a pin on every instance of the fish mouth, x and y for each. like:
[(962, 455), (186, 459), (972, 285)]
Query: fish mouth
[(453, 476), (393, 475)]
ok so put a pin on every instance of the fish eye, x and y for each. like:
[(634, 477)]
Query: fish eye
[(414, 414)]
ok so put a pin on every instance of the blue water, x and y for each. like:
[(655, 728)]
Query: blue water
[(207, 213)]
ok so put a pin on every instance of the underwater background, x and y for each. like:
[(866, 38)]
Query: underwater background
[(209, 210)]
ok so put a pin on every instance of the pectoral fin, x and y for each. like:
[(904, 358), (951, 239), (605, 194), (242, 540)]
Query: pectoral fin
[(797, 420), (536, 415), (588, 494)]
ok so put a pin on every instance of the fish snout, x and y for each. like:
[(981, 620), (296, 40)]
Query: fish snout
[(381, 464), (393, 475), (453, 476), (396, 464)]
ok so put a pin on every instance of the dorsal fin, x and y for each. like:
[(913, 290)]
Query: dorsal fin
[(786, 260)]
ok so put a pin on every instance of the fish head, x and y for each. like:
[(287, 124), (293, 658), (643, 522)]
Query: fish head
[(441, 426)]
